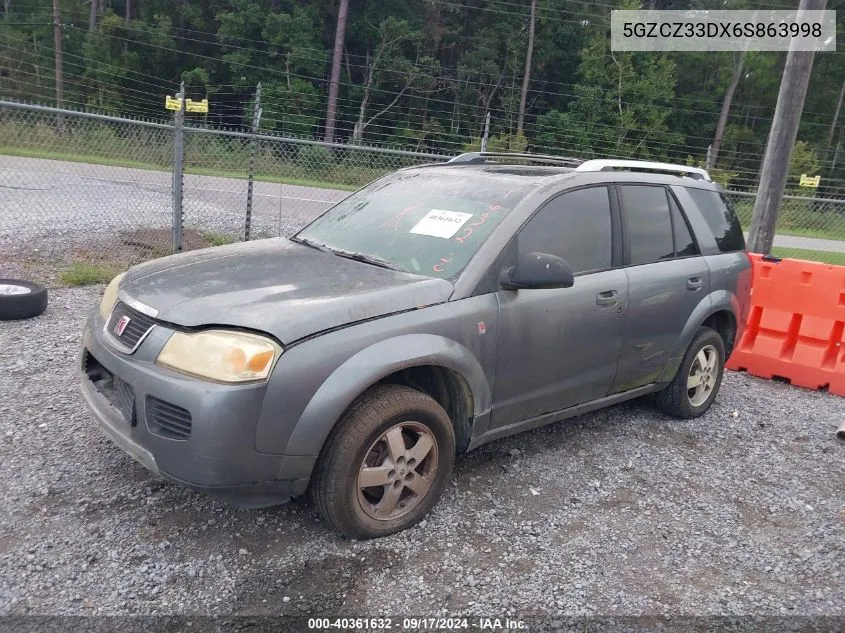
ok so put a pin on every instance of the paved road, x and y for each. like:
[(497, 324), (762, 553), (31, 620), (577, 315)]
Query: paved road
[(74, 200), (78, 200), (811, 243)]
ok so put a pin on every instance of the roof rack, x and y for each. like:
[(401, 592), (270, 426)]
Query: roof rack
[(515, 157), (602, 164)]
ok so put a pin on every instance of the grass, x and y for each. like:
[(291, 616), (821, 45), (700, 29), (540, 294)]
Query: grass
[(823, 234), (91, 267), (799, 217), (218, 239), (74, 157), (82, 273), (837, 259)]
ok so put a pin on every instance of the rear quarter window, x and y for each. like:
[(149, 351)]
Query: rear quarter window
[(721, 219)]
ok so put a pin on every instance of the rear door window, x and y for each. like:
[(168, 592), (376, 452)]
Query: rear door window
[(721, 219), (684, 242), (647, 217)]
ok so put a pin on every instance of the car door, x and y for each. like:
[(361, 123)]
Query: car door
[(667, 279), (559, 347)]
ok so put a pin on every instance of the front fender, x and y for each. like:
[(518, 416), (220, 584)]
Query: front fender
[(372, 364)]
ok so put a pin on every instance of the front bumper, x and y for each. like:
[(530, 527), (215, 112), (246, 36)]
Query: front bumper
[(218, 456)]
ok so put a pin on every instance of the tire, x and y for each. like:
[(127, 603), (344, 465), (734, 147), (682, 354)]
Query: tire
[(361, 440), (21, 299), (680, 401)]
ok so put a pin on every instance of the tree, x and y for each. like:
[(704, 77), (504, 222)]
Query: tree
[(835, 120), (334, 82), (620, 108), (727, 100), (387, 59), (92, 16), (319, 63), (526, 76), (281, 63), (57, 27)]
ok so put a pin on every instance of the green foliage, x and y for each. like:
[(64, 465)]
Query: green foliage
[(621, 102), (837, 259), (803, 160), (218, 239), (295, 106), (500, 143), (196, 78), (720, 176), (85, 273), (414, 75), (315, 160)]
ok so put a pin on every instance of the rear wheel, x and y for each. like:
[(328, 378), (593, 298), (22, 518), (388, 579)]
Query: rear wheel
[(694, 388), (387, 463)]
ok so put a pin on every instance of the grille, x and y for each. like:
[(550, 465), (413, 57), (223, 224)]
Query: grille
[(117, 391), (168, 420), (135, 326)]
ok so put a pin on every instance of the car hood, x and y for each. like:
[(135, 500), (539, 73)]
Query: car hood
[(276, 286)]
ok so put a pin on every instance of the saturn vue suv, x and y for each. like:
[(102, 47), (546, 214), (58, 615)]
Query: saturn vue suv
[(437, 309)]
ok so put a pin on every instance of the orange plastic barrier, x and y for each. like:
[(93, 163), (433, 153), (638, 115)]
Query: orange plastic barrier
[(796, 326)]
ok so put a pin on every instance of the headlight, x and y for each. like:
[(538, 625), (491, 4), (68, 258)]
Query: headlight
[(220, 355), (110, 296)]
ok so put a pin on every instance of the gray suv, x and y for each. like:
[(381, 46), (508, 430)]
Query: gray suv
[(438, 308)]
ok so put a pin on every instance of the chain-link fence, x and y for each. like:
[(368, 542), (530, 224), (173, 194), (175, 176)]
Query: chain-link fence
[(803, 221), (85, 195)]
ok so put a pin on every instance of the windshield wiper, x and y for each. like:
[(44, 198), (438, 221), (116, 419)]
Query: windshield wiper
[(358, 257), (312, 244), (363, 257)]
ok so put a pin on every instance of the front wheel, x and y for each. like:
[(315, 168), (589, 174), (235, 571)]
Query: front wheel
[(699, 377), (386, 464)]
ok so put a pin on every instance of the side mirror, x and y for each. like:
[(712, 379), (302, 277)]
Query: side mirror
[(538, 270)]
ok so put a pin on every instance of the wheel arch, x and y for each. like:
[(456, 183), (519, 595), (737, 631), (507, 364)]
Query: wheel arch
[(717, 310), (442, 368)]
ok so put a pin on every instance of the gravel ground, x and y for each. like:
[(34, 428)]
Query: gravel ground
[(620, 512)]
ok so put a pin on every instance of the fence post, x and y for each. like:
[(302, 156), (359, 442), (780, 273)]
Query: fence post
[(486, 133), (253, 142), (178, 169)]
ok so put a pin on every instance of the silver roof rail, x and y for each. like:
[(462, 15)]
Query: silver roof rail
[(606, 164), (516, 157)]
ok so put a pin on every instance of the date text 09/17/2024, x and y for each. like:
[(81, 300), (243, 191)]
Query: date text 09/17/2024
[(417, 624)]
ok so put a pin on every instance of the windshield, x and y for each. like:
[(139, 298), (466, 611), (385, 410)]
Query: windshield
[(425, 222)]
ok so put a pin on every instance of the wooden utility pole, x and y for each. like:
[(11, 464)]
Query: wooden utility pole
[(334, 81), (60, 84), (782, 136), (526, 75)]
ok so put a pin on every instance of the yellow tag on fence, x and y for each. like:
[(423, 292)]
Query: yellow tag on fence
[(807, 181), (172, 104), (196, 106)]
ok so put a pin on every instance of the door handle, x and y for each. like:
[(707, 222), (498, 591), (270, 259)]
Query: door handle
[(607, 298), (694, 283)]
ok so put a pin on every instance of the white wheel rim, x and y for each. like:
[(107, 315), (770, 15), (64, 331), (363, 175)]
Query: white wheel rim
[(14, 289), (702, 375)]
